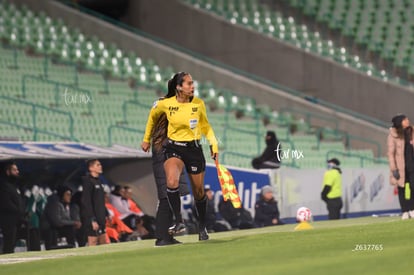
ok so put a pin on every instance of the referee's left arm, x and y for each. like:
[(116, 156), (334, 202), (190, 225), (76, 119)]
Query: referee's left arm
[(207, 130)]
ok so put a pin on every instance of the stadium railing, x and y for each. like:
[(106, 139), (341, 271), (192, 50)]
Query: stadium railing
[(57, 85), (363, 160), (34, 126), (347, 139), (225, 66), (112, 128), (118, 126)]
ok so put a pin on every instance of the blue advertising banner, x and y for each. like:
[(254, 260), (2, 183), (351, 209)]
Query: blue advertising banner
[(248, 183)]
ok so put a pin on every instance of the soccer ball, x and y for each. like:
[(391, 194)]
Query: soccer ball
[(303, 214)]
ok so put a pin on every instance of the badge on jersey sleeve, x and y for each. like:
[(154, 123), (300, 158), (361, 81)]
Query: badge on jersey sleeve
[(193, 123)]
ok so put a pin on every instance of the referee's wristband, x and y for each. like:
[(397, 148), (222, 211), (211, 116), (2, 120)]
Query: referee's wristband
[(213, 148)]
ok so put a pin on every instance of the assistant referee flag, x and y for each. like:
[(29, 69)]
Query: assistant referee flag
[(227, 185)]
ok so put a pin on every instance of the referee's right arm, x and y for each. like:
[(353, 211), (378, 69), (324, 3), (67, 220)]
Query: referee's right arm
[(155, 112)]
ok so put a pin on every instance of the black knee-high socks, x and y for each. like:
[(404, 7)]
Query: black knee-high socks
[(201, 207), (174, 200), (163, 220)]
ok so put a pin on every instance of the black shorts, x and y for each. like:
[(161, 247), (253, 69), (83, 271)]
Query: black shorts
[(191, 153), (94, 233)]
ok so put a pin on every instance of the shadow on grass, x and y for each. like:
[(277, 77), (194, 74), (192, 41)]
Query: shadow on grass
[(217, 241)]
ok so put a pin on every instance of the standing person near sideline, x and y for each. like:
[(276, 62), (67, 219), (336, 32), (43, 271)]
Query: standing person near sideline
[(332, 189), (11, 206), (164, 216), (93, 211), (187, 122), (400, 144)]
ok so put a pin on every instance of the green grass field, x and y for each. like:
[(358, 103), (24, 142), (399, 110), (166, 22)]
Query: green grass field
[(385, 247)]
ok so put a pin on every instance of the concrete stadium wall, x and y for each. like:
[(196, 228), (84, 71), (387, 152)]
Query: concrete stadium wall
[(272, 59), (203, 71)]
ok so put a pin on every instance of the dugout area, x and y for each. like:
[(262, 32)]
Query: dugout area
[(48, 165), (366, 191)]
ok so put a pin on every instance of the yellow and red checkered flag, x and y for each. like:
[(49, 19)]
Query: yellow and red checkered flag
[(227, 185)]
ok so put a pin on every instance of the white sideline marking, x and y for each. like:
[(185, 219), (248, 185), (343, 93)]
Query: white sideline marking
[(16, 260)]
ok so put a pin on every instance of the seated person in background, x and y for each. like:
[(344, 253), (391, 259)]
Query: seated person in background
[(116, 230), (238, 218), (267, 212), (131, 203), (63, 217), (81, 237), (270, 156), (119, 201), (213, 224), (146, 223)]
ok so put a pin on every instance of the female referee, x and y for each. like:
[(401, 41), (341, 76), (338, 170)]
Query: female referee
[(187, 122), (164, 216)]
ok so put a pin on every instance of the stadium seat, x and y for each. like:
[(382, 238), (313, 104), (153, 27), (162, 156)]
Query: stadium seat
[(373, 25), (54, 59)]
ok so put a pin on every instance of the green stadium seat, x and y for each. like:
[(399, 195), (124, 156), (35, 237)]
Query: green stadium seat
[(107, 73), (371, 24)]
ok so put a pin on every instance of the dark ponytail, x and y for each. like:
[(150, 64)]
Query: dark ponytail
[(177, 79)]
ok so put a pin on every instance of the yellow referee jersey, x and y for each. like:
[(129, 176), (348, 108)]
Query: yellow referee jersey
[(186, 121)]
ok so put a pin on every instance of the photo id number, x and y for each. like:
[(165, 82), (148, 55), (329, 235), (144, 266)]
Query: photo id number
[(368, 247)]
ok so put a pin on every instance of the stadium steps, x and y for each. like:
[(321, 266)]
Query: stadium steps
[(50, 59), (382, 29), (370, 25)]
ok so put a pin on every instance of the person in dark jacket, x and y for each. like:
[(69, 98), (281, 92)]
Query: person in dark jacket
[(63, 216), (266, 209), (238, 218), (93, 211), (11, 206), (270, 156)]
